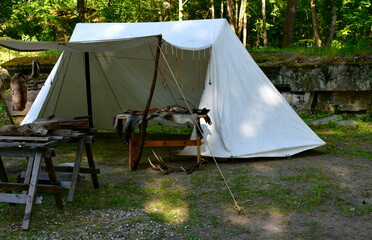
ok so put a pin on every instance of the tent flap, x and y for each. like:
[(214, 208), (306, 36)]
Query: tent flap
[(78, 46)]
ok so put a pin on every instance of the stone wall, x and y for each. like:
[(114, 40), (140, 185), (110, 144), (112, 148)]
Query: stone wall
[(343, 87)]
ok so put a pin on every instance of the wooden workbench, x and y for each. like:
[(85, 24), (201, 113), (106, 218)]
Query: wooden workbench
[(35, 149)]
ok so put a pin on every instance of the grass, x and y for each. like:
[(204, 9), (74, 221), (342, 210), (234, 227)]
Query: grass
[(201, 199), (362, 48), (3, 116)]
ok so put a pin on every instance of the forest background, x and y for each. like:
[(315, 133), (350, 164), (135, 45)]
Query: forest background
[(336, 24)]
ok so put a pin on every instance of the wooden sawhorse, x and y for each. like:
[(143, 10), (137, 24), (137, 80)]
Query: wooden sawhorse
[(36, 149), (30, 185)]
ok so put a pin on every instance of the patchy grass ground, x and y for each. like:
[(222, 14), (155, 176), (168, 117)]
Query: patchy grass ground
[(320, 194)]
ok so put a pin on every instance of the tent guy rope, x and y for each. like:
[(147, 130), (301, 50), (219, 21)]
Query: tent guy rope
[(236, 205)]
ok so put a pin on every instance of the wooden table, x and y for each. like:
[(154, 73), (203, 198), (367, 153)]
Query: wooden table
[(133, 143), (35, 149)]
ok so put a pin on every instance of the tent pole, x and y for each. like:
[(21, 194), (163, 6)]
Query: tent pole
[(88, 90), (144, 117)]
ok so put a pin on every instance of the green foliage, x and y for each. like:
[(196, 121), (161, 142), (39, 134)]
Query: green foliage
[(42, 20), (3, 116), (45, 20)]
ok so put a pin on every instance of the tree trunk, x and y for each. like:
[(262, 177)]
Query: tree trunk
[(213, 16), (290, 16), (318, 41), (332, 25), (222, 9), (81, 10), (245, 30), (230, 12), (180, 10), (242, 13), (264, 27)]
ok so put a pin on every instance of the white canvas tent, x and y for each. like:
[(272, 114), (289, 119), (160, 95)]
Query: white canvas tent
[(214, 70)]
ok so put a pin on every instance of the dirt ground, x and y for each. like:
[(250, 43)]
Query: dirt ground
[(355, 181), (353, 176)]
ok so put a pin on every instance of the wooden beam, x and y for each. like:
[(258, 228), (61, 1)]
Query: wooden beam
[(17, 198), (75, 172), (85, 170), (167, 143), (88, 151), (30, 200), (25, 138), (45, 188)]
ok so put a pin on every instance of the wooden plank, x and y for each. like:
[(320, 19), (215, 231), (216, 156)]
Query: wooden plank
[(25, 138), (31, 192), (168, 143), (27, 144), (84, 170), (13, 151), (24, 187), (17, 198), (75, 173)]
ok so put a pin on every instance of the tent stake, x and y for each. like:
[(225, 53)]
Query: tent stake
[(88, 90), (144, 117)]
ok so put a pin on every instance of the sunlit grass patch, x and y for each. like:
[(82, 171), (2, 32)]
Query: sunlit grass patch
[(162, 210), (353, 142), (167, 200), (305, 191)]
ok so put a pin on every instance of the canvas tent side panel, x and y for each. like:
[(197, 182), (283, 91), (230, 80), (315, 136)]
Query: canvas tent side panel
[(62, 91), (251, 118), (110, 88)]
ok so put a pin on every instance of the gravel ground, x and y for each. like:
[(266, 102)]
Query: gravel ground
[(113, 224)]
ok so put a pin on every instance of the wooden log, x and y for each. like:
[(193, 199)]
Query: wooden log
[(30, 129)]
